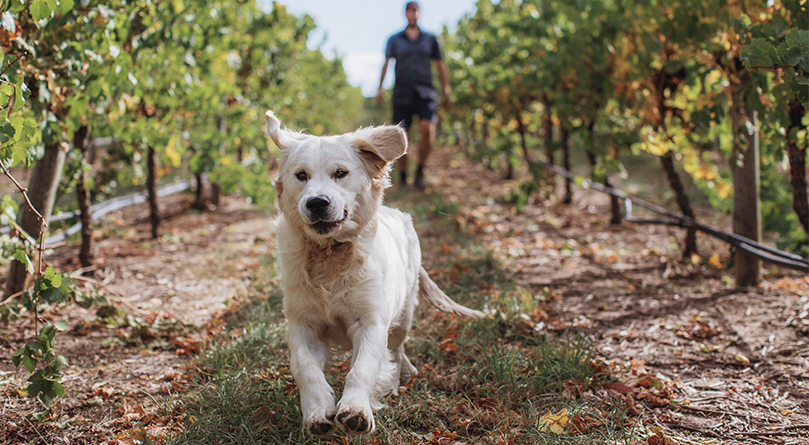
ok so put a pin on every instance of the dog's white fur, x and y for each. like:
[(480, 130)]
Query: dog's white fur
[(351, 270)]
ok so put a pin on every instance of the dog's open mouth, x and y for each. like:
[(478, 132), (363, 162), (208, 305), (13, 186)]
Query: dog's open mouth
[(324, 227)]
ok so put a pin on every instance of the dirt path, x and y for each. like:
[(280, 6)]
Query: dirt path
[(735, 360)]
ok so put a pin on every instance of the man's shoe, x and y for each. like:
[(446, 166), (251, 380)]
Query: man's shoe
[(419, 182)]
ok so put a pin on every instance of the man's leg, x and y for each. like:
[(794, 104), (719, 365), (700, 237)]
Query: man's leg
[(426, 139), (403, 115), (401, 163)]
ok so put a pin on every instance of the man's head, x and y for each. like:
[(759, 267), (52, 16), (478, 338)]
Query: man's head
[(412, 13)]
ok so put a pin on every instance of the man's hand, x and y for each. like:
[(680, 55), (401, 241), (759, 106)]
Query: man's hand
[(445, 101), (380, 96), (442, 75)]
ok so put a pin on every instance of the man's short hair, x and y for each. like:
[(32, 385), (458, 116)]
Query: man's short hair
[(412, 5)]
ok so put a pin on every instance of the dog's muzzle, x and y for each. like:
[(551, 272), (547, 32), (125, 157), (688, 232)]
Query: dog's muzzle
[(323, 221)]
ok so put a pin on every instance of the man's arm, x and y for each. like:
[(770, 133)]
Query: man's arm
[(444, 78), (380, 92)]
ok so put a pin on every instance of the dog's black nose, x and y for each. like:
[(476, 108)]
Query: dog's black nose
[(317, 204)]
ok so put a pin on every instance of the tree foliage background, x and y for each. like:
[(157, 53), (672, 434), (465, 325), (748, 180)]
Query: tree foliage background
[(619, 79)]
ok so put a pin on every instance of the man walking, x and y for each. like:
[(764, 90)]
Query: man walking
[(414, 50)]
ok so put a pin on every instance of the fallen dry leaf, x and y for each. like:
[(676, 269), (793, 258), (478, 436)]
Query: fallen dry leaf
[(265, 418), (618, 387), (741, 358), (345, 365), (448, 345), (554, 423), (582, 425)]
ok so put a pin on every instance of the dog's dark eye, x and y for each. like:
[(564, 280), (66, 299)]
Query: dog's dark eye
[(340, 174), (302, 176)]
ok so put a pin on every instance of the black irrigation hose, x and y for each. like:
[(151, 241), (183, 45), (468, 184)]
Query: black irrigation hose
[(762, 251)]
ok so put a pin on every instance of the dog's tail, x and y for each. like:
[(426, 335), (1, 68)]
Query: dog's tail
[(431, 293)]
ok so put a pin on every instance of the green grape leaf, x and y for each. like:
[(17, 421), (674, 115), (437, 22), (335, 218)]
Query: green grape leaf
[(798, 38), (51, 295), (58, 388), (58, 363), (17, 357), (789, 55), (41, 9), (756, 53), (29, 363), (56, 280), (7, 131), (66, 6), (17, 5), (22, 257)]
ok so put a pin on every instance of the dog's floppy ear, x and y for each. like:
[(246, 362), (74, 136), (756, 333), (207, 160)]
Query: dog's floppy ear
[(389, 142), (283, 139), (381, 145)]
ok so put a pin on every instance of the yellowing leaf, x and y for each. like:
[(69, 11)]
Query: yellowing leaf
[(554, 423), (694, 258), (723, 189), (714, 261), (741, 358), (170, 151)]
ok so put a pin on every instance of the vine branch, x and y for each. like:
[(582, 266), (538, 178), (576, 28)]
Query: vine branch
[(774, 67), (43, 225), (24, 192)]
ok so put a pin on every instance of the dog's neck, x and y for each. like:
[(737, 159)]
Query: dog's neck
[(331, 246), (334, 244)]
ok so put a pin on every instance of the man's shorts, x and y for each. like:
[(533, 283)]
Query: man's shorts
[(425, 108)]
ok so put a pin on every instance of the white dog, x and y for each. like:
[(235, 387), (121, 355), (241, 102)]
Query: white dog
[(351, 270)]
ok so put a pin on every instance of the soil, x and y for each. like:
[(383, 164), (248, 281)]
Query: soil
[(734, 360)]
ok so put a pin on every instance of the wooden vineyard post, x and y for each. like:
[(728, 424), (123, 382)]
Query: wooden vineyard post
[(42, 191), (747, 186)]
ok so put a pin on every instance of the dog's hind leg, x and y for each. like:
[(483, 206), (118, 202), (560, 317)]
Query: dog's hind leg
[(404, 368), (387, 381), (308, 356)]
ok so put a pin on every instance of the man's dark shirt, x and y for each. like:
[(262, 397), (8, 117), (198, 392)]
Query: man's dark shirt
[(413, 69)]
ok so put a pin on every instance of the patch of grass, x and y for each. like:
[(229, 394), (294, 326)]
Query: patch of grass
[(242, 408), (435, 206), (244, 393), (498, 364), (434, 216), (568, 358), (254, 338), (508, 373)]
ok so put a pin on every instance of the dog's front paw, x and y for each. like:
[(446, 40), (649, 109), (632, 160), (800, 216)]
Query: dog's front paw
[(322, 427), (356, 421)]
